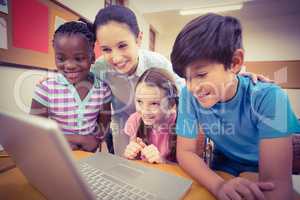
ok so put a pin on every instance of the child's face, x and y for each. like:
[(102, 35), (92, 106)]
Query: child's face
[(72, 57), (119, 46), (210, 83), (151, 103)]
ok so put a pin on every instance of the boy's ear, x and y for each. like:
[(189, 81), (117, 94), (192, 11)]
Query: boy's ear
[(237, 61), (139, 39)]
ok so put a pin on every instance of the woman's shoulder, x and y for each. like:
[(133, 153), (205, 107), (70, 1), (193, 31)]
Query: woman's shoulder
[(154, 58), (100, 67)]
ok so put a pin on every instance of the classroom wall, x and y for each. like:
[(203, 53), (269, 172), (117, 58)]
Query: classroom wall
[(143, 25), (16, 88), (265, 39)]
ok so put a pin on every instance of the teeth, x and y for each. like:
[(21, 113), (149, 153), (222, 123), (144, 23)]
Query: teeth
[(203, 94), (121, 65)]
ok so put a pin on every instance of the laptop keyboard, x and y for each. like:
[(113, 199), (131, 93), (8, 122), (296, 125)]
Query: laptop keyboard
[(107, 187)]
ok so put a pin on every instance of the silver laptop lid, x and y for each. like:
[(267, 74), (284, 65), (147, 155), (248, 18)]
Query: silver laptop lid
[(43, 155)]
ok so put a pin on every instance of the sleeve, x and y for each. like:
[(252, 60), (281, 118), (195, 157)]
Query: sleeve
[(106, 92), (275, 115), (161, 61), (187, 123), (99, 69), (132, 125), (180, 82), (41, 94)]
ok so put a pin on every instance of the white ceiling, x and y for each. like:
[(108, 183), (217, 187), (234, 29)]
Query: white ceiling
[(150, 6), (252, 10)]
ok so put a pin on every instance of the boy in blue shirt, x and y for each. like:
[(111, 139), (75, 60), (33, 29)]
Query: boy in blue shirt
[(250, 125)]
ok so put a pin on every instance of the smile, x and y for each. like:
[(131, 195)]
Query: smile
[(121, 65), (202, 95), (71, 75)]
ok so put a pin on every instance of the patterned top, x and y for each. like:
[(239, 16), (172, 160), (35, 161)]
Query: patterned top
[(159, 138), (74, 116)]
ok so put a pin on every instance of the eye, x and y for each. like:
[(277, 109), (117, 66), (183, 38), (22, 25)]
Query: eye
[(106, 50), (155, 104), (60, 58), (201, 75), (80, 59), (122, 46), (139, 101)]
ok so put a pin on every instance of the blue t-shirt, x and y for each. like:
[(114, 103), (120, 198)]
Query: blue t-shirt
[(255, 112)]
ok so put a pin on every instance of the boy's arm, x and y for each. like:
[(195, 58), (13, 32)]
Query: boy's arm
[(275, 164), (236, 188), (195, 166)]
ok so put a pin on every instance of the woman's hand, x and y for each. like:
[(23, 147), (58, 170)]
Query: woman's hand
[(242, 189), (256, 77), (151, 154)]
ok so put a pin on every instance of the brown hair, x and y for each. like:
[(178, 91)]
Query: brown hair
[(162, 79)]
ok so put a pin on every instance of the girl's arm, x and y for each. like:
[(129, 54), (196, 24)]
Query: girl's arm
[(275, 164), (38, 109), (41, 110), (92, 142)]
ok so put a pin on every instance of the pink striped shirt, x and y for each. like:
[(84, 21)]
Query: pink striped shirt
[(160, 138), (74, 116)]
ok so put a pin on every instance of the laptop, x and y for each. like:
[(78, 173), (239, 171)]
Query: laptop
[(43, 155)]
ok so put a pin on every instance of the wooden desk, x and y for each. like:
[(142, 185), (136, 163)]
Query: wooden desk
[(14, 186)]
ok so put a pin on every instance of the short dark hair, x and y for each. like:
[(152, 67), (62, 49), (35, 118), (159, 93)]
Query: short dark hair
[(210, 37), (81, 27), (119, 14)]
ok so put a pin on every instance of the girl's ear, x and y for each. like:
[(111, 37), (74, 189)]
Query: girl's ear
[(139, 39), (237, 61)]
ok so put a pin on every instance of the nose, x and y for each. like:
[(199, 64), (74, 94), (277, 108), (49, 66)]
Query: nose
[(145, 110), (116, 57), (69, 64)]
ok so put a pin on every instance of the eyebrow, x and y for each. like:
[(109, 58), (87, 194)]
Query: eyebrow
[(104, 46)]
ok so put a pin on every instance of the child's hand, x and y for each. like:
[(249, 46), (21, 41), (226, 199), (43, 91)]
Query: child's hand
[(133, 148), (241, 188), (89, 143), (74, 146), (42, 79), (152, 154)]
